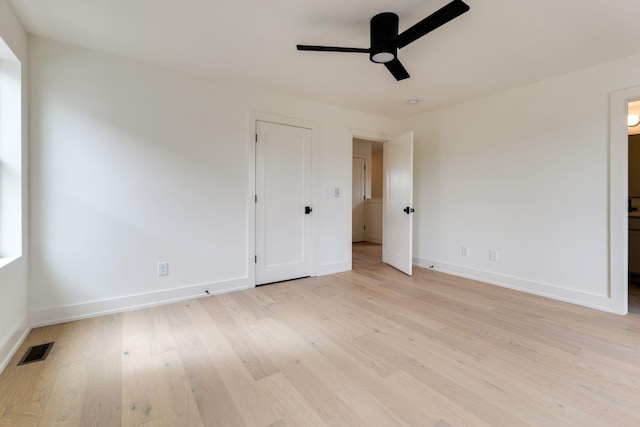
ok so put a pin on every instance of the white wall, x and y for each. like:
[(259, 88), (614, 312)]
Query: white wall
[(13, 276), (524, 172), (373, 212), (362, 148), (134, 164), (376, 172)]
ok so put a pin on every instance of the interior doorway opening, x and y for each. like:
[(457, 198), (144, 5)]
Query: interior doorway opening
[(633, 193), (367, 202)]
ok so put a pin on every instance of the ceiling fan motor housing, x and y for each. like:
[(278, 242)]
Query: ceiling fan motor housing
[(384, 30)]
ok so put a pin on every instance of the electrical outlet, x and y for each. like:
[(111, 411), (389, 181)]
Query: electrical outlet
[(163, 268), (465, 251), (337, 192), (493, 255)]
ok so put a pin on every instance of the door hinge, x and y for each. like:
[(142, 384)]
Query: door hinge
[(365, 167), (256, 137), (364, 197), (256, 199), (365, 227), (255, 259)]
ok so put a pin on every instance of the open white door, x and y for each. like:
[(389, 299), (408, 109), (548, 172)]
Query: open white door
[(397, 232), (283, 202)]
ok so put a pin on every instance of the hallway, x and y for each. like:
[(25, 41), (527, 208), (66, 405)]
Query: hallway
[(365, 254)]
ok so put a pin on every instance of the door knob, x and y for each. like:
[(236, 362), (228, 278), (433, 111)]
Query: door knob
[(408, 210), (307, 210)]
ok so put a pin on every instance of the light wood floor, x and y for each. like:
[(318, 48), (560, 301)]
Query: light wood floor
[(370, 347), (365, 255)]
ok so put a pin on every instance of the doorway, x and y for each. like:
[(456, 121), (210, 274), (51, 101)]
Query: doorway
[(633, 176), (619, 198), (366, 219)]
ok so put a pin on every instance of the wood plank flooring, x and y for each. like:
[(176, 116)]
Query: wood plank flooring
[(366, 254), (370, 347)]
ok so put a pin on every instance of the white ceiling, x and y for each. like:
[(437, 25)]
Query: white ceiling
[(498, 44)]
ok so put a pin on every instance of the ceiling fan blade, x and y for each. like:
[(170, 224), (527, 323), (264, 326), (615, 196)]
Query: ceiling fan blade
[(397, 69), (332, 49), (431, 22)]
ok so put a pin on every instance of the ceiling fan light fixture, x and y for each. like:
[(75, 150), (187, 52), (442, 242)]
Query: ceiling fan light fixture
[(383, 57), (385, 39), (633, 120)]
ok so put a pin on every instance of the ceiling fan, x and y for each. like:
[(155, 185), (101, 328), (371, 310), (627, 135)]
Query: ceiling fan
[(385, 40)]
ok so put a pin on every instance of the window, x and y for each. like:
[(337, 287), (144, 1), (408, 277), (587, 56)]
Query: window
[(10, 155)]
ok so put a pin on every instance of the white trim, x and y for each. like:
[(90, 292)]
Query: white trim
[(599, 302), (251, 193), (7, 260), (360, 134), (255, 116), (13, 341), (618, 196), (51, 316), (337, 267)]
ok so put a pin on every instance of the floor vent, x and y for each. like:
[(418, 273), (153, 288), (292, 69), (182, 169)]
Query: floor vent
[(36, 353)]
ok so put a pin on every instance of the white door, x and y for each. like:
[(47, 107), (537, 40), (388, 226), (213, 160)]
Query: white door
[(397, 231), (358, 195), (283, 202)]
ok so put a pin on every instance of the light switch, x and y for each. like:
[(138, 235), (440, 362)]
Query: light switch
[(163, 268)]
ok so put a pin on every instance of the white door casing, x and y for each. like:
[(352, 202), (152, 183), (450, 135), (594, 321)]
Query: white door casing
[(397, 230), (283, 191), (358, 194)]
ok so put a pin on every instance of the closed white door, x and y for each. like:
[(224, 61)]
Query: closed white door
[(397, 231), (283, 202), (358, 195)]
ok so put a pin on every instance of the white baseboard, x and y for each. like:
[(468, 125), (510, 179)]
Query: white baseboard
[(13, 341), (338, 267), (573, 296), (50, 316), (374, 239)]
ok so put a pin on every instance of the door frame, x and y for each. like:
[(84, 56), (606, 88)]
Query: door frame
[(366, 168), (255, 116), (360, 134), (618, 197)]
